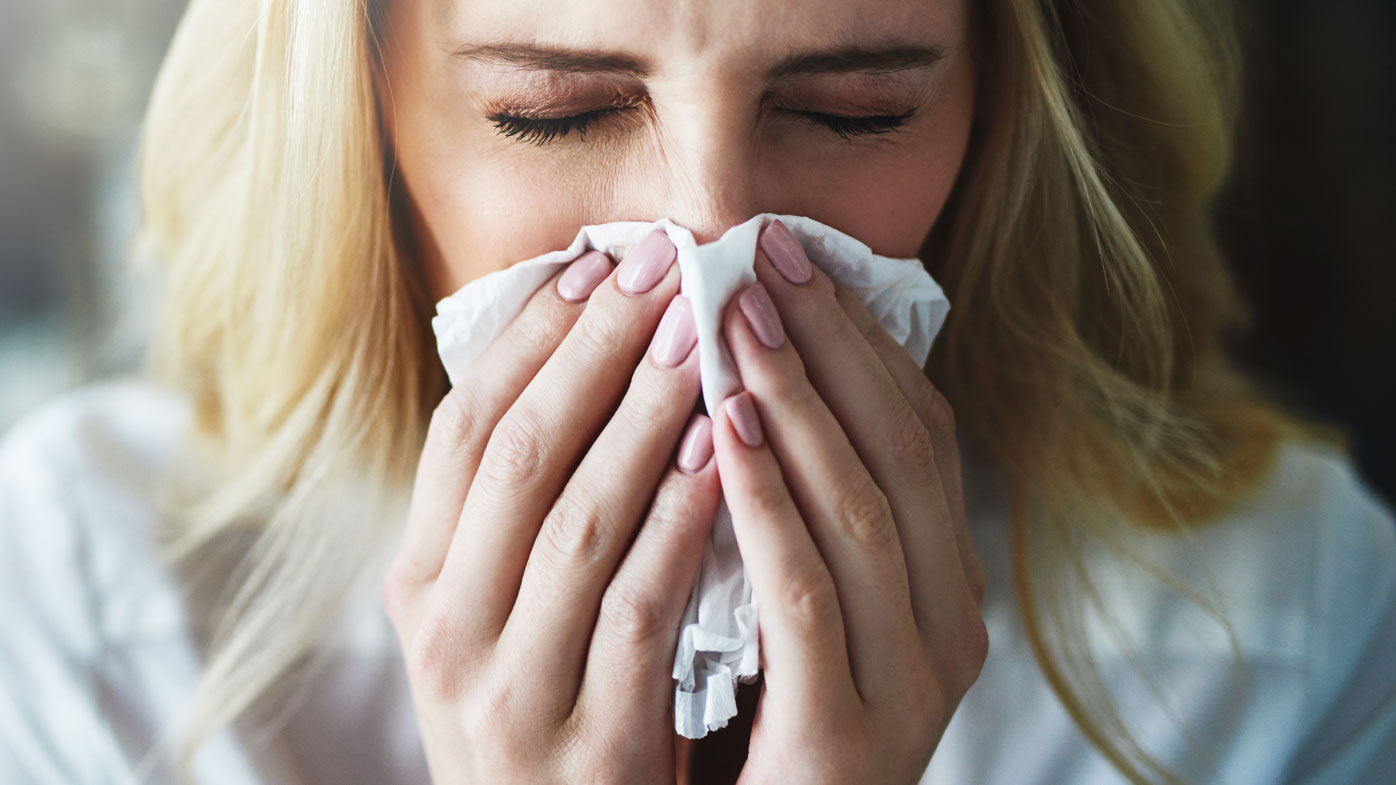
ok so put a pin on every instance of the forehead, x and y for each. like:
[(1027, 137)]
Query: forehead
[(673, 32)]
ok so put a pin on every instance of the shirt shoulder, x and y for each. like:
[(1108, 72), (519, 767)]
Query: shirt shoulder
[(1301, 575), (79, 480), (97, 657), (1259, 644), (1315, 544), (90, 430), (1300, 569), (79, 576), (1334, 541)]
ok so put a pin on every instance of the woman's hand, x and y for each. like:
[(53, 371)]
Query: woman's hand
[(840, 467), (538, 639)]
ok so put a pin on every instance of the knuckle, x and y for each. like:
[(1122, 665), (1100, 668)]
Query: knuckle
[(810, 598), (910, 443), (515, 452), (768, 501), (453, 421), (546, 319), (498, 701), (783, 378), (920, 702), (853, 306), (923, 682), (833, 322), (863, 512), (928, 706), (602, 330), (940, 416), (435, 659), (521, 724), (673, 504), (977, 585), (634, 618), (824, 287), (974, 649), (863, 321), (491, 711), (397, 588), (962, 657), (922, 397), (574, 530), (649, 404)]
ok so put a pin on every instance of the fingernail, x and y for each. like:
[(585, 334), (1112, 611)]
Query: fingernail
[(646, 263), (581, 277), (696, 449), (676, 334), (785, 252), (761, 314), (742, 412)]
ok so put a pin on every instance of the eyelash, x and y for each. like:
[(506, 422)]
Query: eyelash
[(541, 130)]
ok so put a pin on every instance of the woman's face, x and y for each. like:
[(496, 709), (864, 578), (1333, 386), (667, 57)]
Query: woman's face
[(704, 111)]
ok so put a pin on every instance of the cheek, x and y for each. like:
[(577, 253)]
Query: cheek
[(485, 217), (481, 209)]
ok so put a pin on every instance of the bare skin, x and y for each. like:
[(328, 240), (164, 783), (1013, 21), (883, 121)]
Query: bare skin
[(561, 501)]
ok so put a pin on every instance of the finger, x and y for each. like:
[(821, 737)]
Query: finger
[(585, 534), (847, 513), (884, 427), (540, 440), (803, 646), (632, 649), (464, 418), (935, 413)]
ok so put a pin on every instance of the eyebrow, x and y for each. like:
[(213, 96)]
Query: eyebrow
[(842, 60)]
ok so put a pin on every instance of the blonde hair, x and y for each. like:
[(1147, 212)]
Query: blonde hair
[(292, 321), (1083, 348)]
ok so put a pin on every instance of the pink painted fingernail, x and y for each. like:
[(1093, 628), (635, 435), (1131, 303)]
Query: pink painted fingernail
[(696, 449), (785, 252), (676, 334), (582, 276), (646, 263), (742, 412), (761, 314)]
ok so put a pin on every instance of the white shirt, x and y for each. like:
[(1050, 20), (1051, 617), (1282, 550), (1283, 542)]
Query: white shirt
[(97, 653)]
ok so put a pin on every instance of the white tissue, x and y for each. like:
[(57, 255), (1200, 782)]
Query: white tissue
[(717, 643)]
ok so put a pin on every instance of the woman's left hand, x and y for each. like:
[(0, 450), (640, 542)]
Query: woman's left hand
[(840, 467)]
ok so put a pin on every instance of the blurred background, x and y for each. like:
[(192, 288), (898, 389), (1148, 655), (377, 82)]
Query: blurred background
[(1307, 218)]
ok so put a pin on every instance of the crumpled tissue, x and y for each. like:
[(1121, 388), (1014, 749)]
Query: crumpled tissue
[(718, 641)]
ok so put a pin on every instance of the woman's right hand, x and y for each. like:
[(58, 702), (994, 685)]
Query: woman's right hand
[(538, 639)]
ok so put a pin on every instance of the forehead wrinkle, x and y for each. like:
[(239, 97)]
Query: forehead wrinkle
[(701, 30), (687, 16), (685, 38)]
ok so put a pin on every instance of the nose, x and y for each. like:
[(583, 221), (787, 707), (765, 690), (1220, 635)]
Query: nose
[(710, 204), (705, 171)]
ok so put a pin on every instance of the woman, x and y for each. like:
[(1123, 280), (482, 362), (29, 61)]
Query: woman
[(1177, 586)]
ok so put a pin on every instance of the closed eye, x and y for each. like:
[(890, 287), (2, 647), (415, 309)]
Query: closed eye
[(848, 126), (541, 130)]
